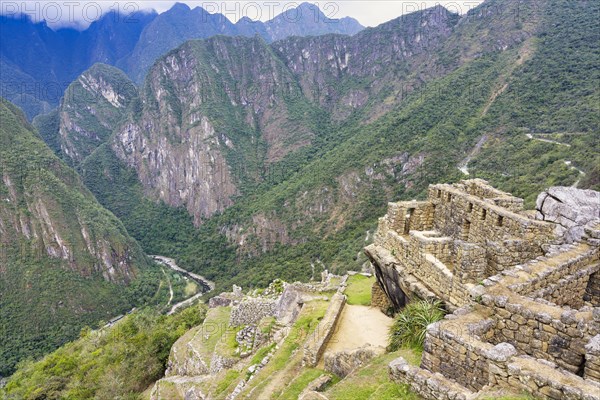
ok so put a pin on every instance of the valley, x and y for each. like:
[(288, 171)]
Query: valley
[(186, 155)]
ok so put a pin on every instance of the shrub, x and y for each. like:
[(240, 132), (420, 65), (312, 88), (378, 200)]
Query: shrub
[(411, 324)]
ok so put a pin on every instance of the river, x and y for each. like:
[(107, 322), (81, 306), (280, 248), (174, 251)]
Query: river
[(205, 284)]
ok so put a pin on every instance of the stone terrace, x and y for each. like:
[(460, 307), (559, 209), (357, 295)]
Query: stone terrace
[(526, 303)]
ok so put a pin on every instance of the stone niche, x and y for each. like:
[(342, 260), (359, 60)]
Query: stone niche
[(524, 291)]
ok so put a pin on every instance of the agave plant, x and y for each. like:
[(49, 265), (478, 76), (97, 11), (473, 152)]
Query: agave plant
[(411, 323)]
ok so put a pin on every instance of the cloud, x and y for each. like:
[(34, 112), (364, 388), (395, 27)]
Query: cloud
[(82, 13)]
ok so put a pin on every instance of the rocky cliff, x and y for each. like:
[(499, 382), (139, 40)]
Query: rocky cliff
[(343, 73), (212, 112), (91, 108), (46, 210)]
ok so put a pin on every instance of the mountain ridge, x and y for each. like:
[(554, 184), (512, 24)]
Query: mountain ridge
[(35, 80)]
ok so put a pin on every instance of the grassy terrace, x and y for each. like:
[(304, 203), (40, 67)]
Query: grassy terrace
[(359, 290), (372, 382), (286, 364)]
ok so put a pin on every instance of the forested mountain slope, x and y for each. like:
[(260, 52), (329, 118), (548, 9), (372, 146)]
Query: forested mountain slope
[(64, 260), (283, 161)]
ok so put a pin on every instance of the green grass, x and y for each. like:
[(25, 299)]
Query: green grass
[(410, 325), (286, 362), (372, 382), (230, 377), (295, 387), (359, 290), (214, 329), (261, 353), (190, 289), (524, 396)]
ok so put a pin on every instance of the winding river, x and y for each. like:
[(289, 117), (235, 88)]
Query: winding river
[(205, 284)]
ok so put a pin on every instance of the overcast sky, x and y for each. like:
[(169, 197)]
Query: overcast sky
[(81, 13)]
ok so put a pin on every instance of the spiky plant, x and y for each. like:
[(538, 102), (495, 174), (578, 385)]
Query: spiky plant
[(410, 325)]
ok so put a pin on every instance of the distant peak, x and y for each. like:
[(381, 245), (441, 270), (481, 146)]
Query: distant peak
[(245, 20), (180, 7), (309, 7)]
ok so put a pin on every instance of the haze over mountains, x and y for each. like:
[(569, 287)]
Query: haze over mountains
[(35, 75)]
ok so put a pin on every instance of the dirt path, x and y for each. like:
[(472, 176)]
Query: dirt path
[(539, 139), (170, 287), (581, 173), (464, 165), (359, 325)]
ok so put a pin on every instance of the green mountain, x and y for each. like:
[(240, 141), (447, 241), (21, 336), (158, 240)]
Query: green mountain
[(248, 161), (34, 76), (180, 23), (65, 261)]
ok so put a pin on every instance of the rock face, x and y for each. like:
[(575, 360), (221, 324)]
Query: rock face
[(289, 305), (571, 208), (92, 106), (204, 121), (251, 311), (45, 205), (321, 63)]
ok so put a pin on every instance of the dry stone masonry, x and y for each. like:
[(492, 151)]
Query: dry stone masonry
[(524, 288)]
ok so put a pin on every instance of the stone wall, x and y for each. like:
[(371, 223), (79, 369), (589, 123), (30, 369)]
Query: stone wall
[(410, 215), (539, 378), (462, 234), (490, 220), (317, 342), (540, 330), (429, 385), (379, 299), (592, 291), (560, 277), (527, 299), (251, 311), (592, 359), (460, 360), (344, 362), (456, 353)]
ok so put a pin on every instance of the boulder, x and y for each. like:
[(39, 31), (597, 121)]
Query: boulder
[(571, 209), (289, 305)]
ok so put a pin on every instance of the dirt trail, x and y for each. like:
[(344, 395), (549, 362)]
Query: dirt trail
[(171, 294), (464, 165), (359, 325)]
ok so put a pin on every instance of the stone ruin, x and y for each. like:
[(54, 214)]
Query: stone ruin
[(524, 288)]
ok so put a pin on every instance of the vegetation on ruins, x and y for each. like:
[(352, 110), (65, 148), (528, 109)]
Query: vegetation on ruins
[(411, 324)]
